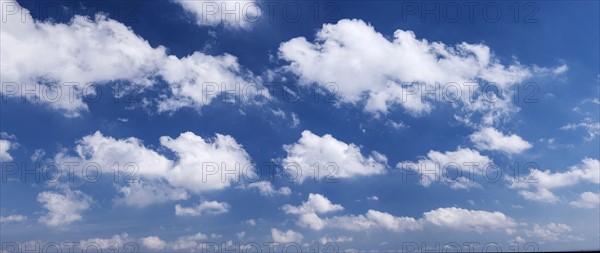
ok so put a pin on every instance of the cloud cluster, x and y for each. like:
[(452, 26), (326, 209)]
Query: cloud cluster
[(450, 218), (201, 165), (85, 53), (588, 171)]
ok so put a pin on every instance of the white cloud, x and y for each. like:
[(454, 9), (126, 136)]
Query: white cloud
[(374, 198), (154, 242), (316, 203), (435, 165), (340, 239), (13, 218), (469, 220), (285, 237), (250, 222), (205, 207), (235, 14), (63, 209), (592, 128), (85, 53), (187, 242), (201, 165), (451, 218), (550, 232), (354, 56), (374, 220), (333, 157), (587, 200), (307, 212), (105, 243), (5, 145), (491, 139), (543, 181), (142, 194), (266, 189), (37, 155)]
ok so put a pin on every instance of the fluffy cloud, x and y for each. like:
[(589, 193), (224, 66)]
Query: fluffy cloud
[(587, 200), (307, 212), (354, 56), (544, 181), (491, 139), (63, 208), (333, 157), (84, 53), (12, 218), (469, 220), (205, 207), (435, 165), (451, 218), (285, 237), (154, 242), (5, 145), (235, 14), (201, 165), (267, 189)]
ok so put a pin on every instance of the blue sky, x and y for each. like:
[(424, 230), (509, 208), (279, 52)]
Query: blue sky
[(175, 94)]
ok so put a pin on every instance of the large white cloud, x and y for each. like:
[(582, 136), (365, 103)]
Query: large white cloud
[(588, 171), (201, 165), (366, 66), (435, 167), (102, 50), (334, 158), (235, 14), (63, 208), (489, 138)]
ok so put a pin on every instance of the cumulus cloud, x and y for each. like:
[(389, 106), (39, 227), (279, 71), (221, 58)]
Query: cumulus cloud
[(205, 207), (85, 53), (289, 236), (267, 189), (307, 212), (435, 165), (335, 159), (63, 208), (233, 14), (491, 139), (154, 242), (355, 58), (450, 218), (588, 171), (5, 145), (586, 200), (201, 165)]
